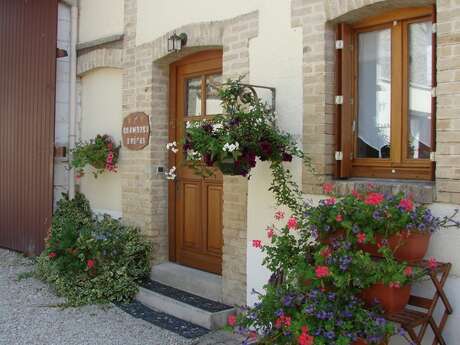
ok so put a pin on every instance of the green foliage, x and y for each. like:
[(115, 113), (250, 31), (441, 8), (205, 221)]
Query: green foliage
[(101, 153), (92, 260), (232, 141)]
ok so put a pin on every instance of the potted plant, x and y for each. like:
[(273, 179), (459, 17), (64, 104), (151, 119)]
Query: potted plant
[(371, 220), (389, 282), (234, 140), (100, 153)]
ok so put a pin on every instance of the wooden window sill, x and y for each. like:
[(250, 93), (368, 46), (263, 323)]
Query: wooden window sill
[(421, 191)]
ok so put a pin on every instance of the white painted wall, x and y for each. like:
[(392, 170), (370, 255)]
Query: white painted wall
[(100, 18), (155, 18), (61, 132), (101, 113), (275, 59)]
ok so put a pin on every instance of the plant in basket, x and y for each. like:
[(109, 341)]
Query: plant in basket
[(234, 140), (371, 220), (100, 153)]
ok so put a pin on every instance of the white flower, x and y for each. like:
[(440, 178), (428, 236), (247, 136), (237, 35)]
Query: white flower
[(217, 127), (172, 146), (170, 175), (231, 147), (193, 155)]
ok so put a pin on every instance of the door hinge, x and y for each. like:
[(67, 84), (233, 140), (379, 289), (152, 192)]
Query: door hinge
[(353, 126), (433, 156), (434, 91), (434, 28), (338, 155), (339, 100), (339, 44)]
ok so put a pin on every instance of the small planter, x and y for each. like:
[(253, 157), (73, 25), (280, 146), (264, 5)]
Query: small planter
[(392, 299), (410, 246)]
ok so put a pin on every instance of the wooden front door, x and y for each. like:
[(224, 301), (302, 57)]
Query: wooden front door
[(195, 202)]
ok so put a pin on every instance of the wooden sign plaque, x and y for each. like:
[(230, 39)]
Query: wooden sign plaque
[(136, 131)]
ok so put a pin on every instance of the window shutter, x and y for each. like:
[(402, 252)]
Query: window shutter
[(434, 84), (344, 108)]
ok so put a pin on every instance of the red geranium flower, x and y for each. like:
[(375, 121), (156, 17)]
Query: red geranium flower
[(292, 223), (305, 338), (257, 243), (339, 218), (322, 271), (279, 215), (374, 199), (270, 232), (326, 252), (90, 263), (231, 320), (432, 263), (361, 237), (52, 255)]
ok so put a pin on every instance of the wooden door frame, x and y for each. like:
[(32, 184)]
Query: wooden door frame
[(196, 57)]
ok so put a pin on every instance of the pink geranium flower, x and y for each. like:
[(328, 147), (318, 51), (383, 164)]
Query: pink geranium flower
[(270, 232), (432, 263), (257, 243), (408, 271), (322, 271), (329, 202), (339, 218), (279, 215), (305, 338), (292, 223), (52, 255), (328, 188), (407, 205)]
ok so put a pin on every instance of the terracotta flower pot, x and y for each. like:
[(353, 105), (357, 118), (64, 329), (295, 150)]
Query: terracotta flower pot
[(408, 246), (392, 299)]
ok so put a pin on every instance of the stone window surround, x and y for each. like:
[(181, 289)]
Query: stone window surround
[(146, 88), (318, 19)]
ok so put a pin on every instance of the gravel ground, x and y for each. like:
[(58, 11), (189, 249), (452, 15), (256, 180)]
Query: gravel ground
[(28, 315)]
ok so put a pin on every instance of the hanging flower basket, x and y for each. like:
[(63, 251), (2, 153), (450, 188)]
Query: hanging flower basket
[(228, 167), (410, 246), (393, 299)]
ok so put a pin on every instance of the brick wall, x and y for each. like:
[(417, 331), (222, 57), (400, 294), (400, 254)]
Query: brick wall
[(317, 18), (145, 88)]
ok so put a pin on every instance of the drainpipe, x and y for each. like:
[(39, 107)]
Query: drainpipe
[(73, 94)]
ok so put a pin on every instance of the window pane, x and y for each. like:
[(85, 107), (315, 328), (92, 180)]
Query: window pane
[(374, 90), (213, 102), (193, 93), (420, 90)]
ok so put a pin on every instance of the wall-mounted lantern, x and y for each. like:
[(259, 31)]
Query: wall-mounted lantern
[(176, 42)]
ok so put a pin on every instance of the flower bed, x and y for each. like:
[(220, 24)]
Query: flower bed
[(90, 260)]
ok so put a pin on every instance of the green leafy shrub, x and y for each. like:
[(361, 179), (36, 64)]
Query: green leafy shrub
[(92, 260)]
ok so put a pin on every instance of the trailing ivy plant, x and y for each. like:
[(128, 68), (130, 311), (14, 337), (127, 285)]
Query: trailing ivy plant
[(101, 153), (92, 260)]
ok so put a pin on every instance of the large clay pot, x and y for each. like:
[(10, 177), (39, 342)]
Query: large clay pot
[(392, 299), (408, 246)]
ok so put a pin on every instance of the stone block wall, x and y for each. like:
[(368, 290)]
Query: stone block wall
[(317, 18)]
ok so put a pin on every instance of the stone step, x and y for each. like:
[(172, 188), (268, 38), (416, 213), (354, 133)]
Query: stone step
[(184, 305), (188, 279)]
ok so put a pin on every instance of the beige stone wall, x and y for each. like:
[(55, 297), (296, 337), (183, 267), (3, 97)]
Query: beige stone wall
[(145, 88), (235, 239), (317, 18)]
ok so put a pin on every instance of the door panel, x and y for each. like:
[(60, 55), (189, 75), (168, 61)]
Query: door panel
[(195, 202), (28, 36)]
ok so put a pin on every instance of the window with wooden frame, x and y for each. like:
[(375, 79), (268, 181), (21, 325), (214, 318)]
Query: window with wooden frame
[(385, 99)]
